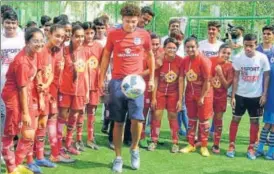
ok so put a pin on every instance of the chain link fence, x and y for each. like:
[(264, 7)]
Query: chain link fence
[(252, 15)]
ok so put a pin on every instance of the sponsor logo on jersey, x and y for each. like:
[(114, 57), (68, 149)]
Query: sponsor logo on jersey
[(128, 53)]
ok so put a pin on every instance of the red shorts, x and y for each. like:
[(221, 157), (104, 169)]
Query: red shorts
[(167, 101), (94, 97), (72, 102), (219, 105), (36, 106), (13, 122), (147, 99), (194, 111), (53, 99)]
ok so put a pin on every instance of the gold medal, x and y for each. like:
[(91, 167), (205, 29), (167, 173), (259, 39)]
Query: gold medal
[(191, 76), (93, 62), (170, 77), (216, 82), (79, 65)]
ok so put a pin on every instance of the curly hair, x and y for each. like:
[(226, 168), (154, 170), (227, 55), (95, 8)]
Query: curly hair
[(214, 24), (130, 10)]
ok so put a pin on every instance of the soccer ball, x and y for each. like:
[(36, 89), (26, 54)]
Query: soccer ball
[(133, 86)]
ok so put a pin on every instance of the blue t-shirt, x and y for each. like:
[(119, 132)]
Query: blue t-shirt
[(270, 97)]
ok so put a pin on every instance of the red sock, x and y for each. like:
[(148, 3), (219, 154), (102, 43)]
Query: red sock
[(8, 154), (199, 134), (30, 157), (204, 128), (155, 130), (40, 143), (192, 125), (52, 133), (218, 127), (79, 125), (91, 110), (174, 127), (90, 123), (24, 147), (253, 133), (61, 122), (70, 127), (233, 131)]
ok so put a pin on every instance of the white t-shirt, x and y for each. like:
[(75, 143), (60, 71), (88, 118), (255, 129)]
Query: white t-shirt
[(103, 42), (208, 49), (181, 51), (250, 83), (163, 39), (9, 49)]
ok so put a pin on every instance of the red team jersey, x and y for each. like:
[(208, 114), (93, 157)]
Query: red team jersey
[(95, 53), (21, 73), (68, 85), (168, 75), (128, 50), (195, 71), (45, 63), (220, 92), (156, 56)]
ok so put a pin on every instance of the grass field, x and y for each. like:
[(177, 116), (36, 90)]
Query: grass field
[(162, 161)]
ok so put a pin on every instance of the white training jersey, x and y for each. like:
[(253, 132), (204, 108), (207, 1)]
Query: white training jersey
[(103, 42), (181, 51), (250, 82), (163, 40), (9, 49), (208, 49)]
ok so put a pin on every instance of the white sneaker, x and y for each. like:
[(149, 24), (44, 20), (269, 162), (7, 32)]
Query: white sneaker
[(135, 159), (117, 165)]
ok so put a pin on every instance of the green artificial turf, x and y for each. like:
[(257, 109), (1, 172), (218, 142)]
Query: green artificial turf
[(161, 161)]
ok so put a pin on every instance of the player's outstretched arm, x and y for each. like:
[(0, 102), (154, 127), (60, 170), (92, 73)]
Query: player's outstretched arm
[(234, 87), (151, 67), (154, 92), (205, 90), (103, 68), (23, 98), (181, 93), (266, 83)]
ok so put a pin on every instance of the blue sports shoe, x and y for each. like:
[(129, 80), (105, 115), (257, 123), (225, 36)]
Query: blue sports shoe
[(269, 156), (259, 153), (230, 152), (251, 154), (182, 133), (45, 163), (34, 168)]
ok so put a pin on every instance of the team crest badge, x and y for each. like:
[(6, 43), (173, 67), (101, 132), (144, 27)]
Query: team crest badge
[(93, 62), (171, 77), (79, 65), (272, 60), (191, 76), (216, 82), (137, 41)]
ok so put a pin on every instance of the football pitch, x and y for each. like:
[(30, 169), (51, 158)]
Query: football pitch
[(161, 161)]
